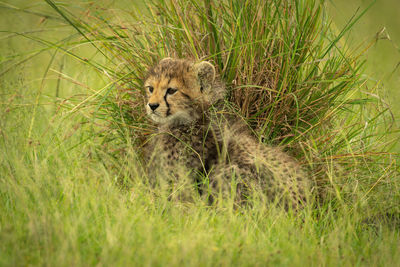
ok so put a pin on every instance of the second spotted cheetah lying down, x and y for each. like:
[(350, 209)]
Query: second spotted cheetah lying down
[(195, 141)]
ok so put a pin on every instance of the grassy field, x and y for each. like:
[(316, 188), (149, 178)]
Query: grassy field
[(73, 186)]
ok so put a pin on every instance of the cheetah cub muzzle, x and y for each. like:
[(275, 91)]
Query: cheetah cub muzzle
[(193, 141)]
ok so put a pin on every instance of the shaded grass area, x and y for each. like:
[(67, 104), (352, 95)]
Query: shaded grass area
[(72, 125)]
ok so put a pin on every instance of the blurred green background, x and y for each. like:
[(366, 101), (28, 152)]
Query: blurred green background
[(380, 26)]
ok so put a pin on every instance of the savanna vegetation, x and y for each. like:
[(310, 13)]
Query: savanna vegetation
[(73, 185)]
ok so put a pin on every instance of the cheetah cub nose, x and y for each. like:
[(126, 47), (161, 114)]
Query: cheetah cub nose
[(153, 106)]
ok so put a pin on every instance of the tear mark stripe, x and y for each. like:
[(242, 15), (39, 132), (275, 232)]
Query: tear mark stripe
[(168, 108)]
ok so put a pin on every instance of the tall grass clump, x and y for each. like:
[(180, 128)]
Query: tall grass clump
[(283, 65), (71, 138)]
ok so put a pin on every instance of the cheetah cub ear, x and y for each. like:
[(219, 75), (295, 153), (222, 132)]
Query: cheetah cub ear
[(206, 75)]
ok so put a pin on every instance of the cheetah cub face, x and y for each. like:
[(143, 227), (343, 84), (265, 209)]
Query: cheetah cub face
[(178, 91)]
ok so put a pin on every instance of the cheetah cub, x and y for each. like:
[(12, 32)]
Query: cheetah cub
[(194, 141)]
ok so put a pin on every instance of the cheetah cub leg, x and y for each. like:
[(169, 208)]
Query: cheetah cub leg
[(249, 168), (286, 181), (229, 181)]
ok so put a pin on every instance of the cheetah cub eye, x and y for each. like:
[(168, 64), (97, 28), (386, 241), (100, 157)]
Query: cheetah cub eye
[(150, 89), (171, 91)]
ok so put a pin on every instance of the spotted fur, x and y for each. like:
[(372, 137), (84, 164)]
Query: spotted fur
[(192, 141)]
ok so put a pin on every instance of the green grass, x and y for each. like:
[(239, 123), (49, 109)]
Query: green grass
[(73, 187)]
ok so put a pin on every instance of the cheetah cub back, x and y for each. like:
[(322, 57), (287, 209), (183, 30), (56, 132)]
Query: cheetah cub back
[(193, 142), (261, 168)]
